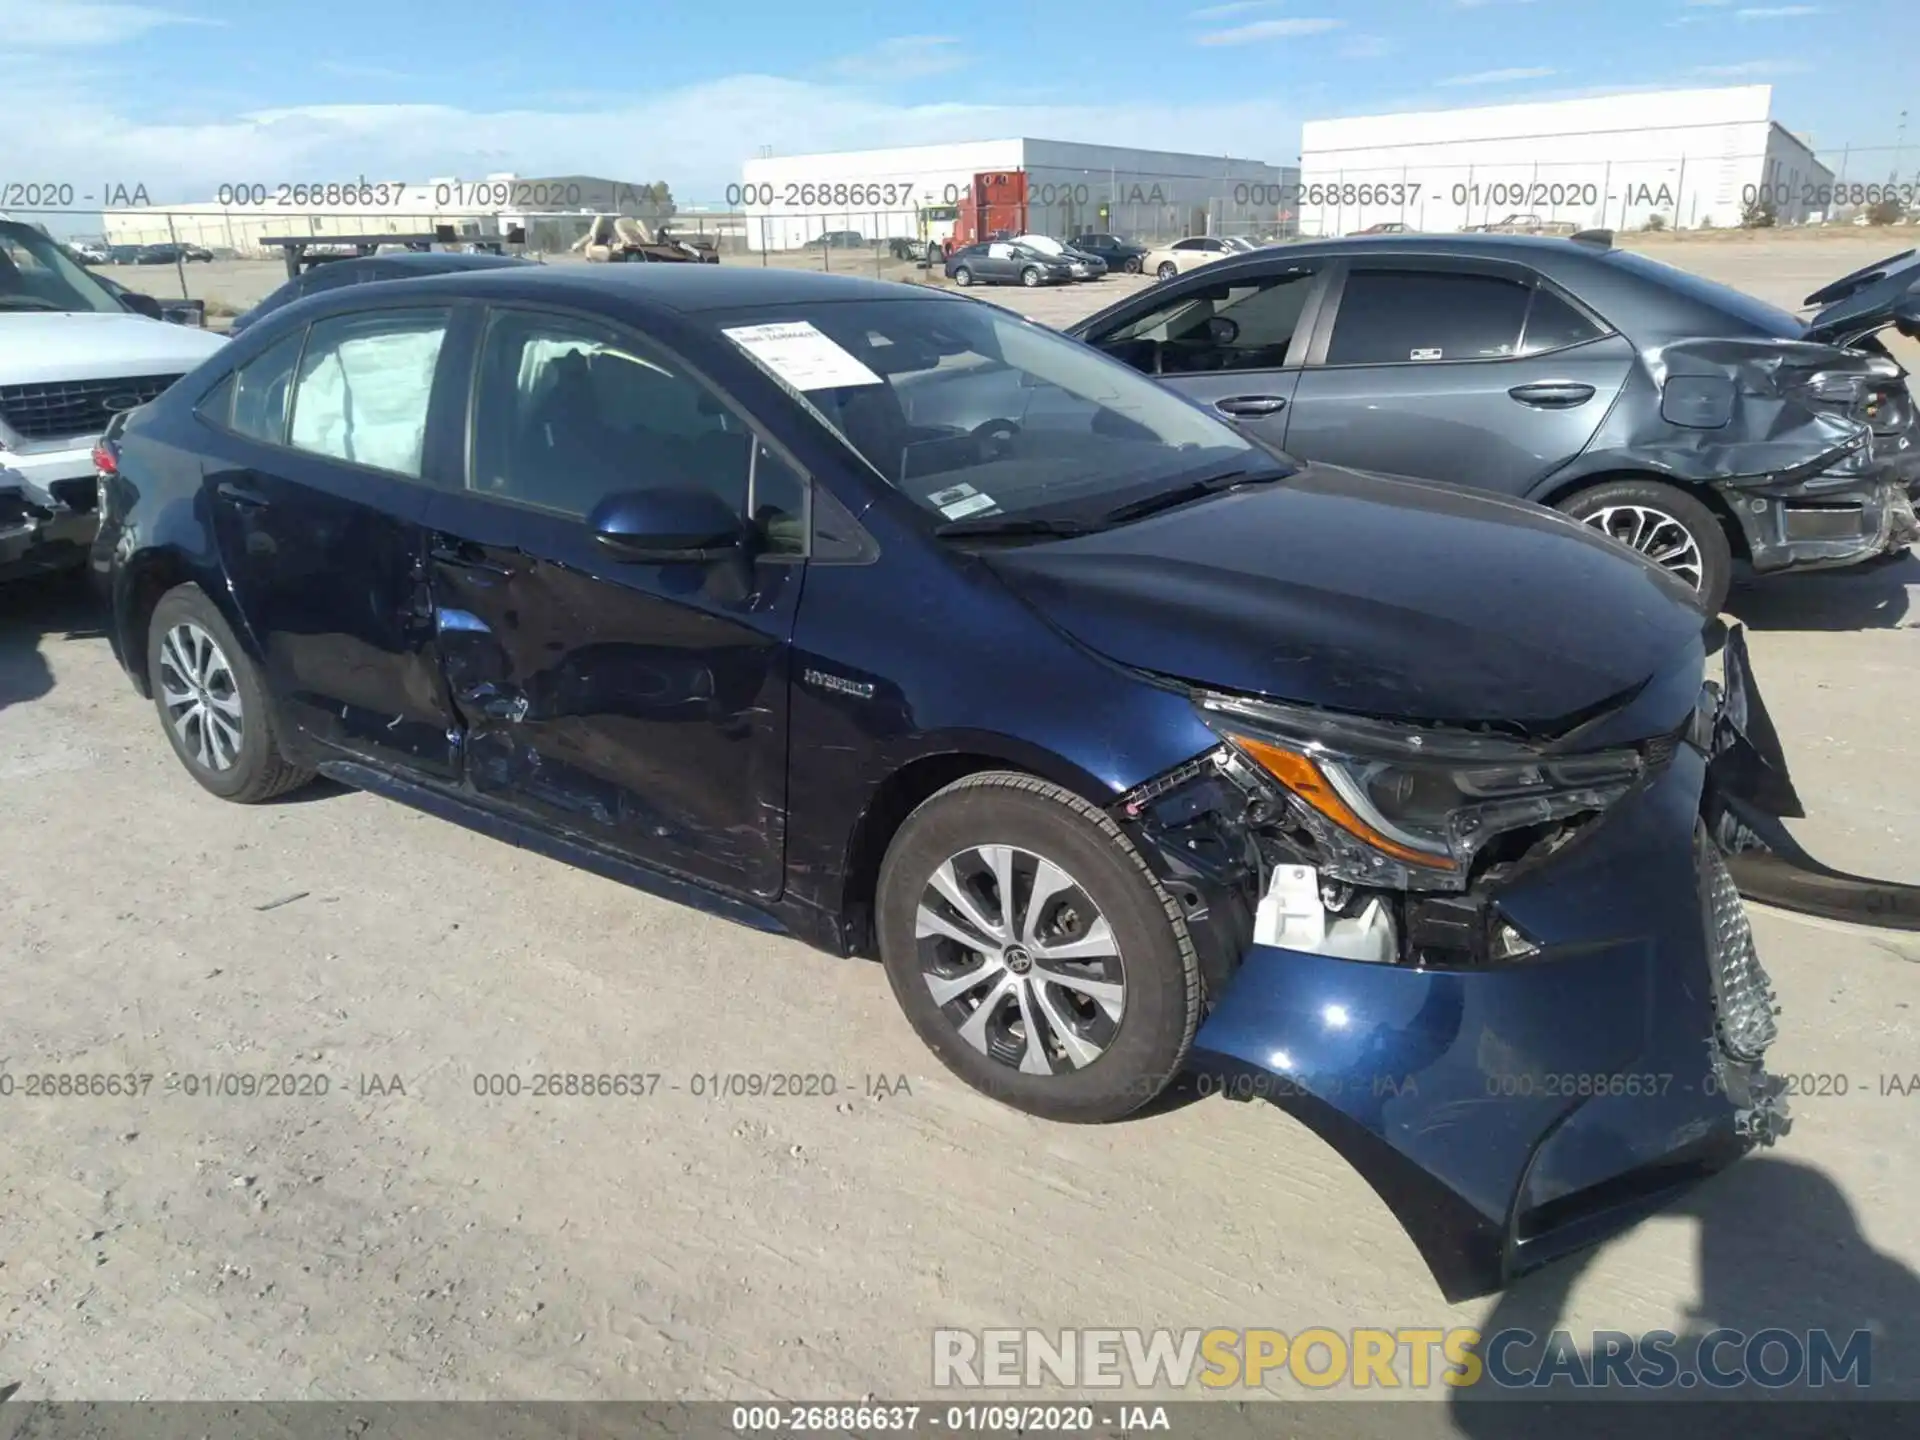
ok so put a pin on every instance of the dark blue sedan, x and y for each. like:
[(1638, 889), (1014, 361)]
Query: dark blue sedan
[(897, 623)]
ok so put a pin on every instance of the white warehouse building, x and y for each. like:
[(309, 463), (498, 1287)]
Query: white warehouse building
[(791, 201), (1690, 157)]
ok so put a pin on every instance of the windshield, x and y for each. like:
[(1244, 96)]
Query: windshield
[(36, 274), (973, 412), (1045, 244)]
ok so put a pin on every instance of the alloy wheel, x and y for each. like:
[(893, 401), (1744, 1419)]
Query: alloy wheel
[(963, 276), (1168, 270), (1656, 535), (1020, 960), (201, 696)]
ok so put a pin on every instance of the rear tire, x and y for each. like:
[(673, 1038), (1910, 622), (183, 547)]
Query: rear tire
[(1083, 1002), (212, 703), (1667, 526)]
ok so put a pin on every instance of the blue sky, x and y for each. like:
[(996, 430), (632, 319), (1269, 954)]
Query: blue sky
[(186, 94)]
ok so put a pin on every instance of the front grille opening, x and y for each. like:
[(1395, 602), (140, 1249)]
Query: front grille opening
[(60, 409)]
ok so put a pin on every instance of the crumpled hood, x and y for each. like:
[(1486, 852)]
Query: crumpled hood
[(37, 345), (1377, 596)]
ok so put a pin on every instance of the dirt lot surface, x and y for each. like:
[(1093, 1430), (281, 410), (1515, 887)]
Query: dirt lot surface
[(402, 1237)]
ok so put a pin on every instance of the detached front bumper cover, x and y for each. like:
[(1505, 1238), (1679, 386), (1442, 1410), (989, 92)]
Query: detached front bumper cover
[(1514, 1111)]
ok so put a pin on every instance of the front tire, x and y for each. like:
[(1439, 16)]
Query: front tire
[(1133, 265), (1031, 277), (1667, 526), (212, 702), (963, 277), (1167, 270), (1034, 952)]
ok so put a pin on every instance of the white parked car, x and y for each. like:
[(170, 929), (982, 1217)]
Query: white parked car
[(73, 354), (1164, 262)]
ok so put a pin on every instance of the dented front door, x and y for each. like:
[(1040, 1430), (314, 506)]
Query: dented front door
[(639, 707)]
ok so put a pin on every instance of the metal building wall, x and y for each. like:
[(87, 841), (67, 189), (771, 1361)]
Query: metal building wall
[(1615, 161)]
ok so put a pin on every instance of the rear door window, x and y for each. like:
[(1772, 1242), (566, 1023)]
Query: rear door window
[(260, 391), (1396, 317), (1553, 324), (364, 386)]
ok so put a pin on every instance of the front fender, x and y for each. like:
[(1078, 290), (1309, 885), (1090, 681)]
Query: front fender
[(1509, 1114)]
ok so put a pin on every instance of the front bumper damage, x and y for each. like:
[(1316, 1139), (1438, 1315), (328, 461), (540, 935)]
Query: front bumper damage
[(44, 529), (1508, 1108)]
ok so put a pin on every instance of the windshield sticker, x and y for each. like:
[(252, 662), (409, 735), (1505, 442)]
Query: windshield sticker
[(950, 494), (972, 505), (801, 356), (1433, 354)]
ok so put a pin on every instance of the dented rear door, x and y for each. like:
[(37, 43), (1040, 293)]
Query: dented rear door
[(636, 706)]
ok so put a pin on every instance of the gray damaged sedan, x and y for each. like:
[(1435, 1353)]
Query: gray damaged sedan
[(1684, 418)]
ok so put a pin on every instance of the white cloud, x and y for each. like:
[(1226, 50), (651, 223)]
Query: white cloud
[(1269, 30), (1233, 7), (1752, 69), (29, 25), (1367, 47), (905, 57), (350, 70), (714, 126), (1501, 77)]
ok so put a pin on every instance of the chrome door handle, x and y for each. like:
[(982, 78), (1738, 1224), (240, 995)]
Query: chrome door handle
[(1250, 406), (1553, 394)]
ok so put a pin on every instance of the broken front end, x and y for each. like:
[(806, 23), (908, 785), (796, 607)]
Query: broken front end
[(1511, 980)]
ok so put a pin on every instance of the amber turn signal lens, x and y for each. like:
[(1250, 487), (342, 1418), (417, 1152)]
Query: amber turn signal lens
[(1301, 776)]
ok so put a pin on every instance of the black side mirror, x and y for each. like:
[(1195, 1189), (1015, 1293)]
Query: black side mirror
[(669, 525), (141, 304)]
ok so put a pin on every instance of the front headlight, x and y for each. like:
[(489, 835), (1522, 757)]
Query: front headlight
[(1405, 807)]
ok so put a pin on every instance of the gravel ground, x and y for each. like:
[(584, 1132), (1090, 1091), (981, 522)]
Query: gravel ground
[(402, 1237)]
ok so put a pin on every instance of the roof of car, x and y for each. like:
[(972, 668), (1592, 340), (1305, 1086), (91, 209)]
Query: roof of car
[(429, 262), (687, 288)]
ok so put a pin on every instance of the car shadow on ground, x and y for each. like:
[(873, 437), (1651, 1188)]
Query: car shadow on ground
[(1779, 1248), (33, 612), (1866, 597)]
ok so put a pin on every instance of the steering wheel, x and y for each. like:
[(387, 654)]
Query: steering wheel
[(995, 438)]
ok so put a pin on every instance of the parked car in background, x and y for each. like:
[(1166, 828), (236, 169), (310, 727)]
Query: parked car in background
[(124, 254), (1122, 256), (88, 252), (1002, 262), (74, 353), (1127, 746), (198, 253), (1167, 261), (175, 311), (1681, 417), (1385, 227), (1086, 266), (165, 254), (842, 240), (361, 270)]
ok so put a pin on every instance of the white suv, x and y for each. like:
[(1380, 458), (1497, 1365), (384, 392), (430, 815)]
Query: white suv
[(72, 355)]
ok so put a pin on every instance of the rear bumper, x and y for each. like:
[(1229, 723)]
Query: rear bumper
[(1826, 522), (1510, 1115)]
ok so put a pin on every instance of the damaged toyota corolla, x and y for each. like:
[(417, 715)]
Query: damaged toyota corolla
[(1129, 746)]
